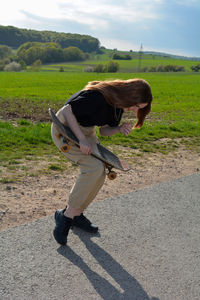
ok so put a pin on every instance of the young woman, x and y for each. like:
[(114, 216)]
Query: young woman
[(100, 103)]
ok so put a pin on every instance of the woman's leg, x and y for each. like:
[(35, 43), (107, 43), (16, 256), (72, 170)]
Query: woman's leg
[(90, 180), (94, 191), (88, 184), (86, 187)]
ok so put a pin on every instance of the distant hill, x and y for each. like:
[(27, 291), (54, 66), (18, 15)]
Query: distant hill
[(171, 55), (14, 37), (152, 53)]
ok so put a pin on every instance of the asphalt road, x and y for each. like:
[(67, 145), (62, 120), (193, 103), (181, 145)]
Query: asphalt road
[(148, 248)]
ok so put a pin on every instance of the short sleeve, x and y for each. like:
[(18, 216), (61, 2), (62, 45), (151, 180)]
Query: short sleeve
[(86, 104), (91, 109)]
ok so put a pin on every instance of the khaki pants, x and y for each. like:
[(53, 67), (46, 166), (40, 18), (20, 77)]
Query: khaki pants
[(92, 171)]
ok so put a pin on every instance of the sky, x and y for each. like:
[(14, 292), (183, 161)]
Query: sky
[(169, 26)]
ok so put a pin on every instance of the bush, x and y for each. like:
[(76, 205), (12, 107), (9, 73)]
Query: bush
[(144, 69), (180, 69), (36, 66), (152, 69), (112, 67), (89, 69), (122, 57), (2, 65), (167, 68), (170, 68), (23, 64), (7, 61), (100, 68), (195, 68), (160, 68), (13, 67), (86, 55), (61, 69), (174, 68)]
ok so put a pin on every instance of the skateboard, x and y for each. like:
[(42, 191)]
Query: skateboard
[(106, 156)]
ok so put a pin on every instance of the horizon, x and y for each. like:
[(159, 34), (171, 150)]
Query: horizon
[(169, 27), (144, 51)]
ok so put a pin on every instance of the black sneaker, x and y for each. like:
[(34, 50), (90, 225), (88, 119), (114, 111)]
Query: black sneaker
[(62, 227), (85, 224)]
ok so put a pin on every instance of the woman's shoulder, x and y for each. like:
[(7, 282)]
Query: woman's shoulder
[(92, 93), (94, 96)]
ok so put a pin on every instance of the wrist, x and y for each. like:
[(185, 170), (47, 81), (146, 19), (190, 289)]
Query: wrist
[(82, 139)]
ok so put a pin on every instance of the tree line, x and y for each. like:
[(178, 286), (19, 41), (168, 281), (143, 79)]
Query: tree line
[(49, 53), (30, 52), (15, 37)]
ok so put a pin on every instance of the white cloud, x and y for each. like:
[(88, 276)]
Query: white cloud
[(119, 44), (87, 12), (11, 11)]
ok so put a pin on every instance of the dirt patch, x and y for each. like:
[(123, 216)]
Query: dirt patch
[(35, 198)]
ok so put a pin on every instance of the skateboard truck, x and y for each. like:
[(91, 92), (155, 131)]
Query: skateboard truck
[(66, 147), (111, 174)]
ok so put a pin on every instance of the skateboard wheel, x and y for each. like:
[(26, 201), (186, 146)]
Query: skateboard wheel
[(112, 175), (58, 135), (65, 148)]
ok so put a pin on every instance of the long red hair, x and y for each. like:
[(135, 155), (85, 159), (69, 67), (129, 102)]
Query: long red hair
[(125, 93)]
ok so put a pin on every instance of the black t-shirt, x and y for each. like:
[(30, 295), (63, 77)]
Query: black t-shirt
[(91, 109)]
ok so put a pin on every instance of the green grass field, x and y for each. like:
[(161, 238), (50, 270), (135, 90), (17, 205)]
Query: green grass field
[(126, 66), (175, 113)]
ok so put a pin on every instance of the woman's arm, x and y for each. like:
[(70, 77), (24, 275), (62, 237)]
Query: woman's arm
[(85, 147), (106, 130)]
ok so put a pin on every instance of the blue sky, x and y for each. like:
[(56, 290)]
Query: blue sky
[(160, 25)]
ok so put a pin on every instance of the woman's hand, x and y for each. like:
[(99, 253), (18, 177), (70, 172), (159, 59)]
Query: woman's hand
[(125, 128), (85, 146)]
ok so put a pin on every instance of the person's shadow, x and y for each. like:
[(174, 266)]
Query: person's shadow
[(131, 287)]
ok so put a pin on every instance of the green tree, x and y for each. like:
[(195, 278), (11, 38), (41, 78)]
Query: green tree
[(2, 65), (15, 37), (33, 54), (52, 54), (23, 64), (73, 54), (5, 51), (36, 66), (46, 52)]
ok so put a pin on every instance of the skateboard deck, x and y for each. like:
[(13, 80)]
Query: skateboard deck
[(110, 159)]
